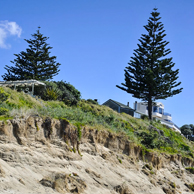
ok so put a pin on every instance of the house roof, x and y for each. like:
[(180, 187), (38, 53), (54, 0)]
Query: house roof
[(119, 104)]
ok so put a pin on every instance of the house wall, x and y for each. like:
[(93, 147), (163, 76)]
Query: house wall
[(141, 108), (127, 111), (157, 109), (118, 108)]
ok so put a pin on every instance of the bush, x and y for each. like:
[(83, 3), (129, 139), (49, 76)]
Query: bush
[(50, 94), (60, 90), (92, 101), (3, 95), (3, 111), (186, 130), (190, 169), (72, 91), (148, 138), (144, 117)]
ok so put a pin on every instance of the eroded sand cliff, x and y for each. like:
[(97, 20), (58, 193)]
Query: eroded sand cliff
[(38, 156)]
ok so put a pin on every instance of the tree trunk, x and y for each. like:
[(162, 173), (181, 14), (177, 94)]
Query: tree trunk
[(150, 108)]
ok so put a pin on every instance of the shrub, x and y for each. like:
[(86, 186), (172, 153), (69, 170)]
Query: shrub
[(110, 119), (72, 91), (3, 111), (144, 117), (190, 169), (61, 91), (186, 130), (148, 139), (3, 95), (191, 154), (169, 149), (92, 101), (79, 132), (184, 147)]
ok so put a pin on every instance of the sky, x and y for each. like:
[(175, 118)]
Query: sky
[(93, 41)]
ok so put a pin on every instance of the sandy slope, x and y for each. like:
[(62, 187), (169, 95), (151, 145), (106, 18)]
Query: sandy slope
[(32, 163)]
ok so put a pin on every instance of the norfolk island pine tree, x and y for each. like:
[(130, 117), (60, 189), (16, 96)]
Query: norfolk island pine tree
[(35, 62), (149, 75)]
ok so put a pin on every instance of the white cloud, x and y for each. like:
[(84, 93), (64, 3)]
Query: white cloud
[(8, 29)]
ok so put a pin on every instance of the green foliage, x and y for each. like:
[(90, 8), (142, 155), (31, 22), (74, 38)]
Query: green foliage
[(37, 127), (149, 75), (4, 118), (55, 104), (169, 149), (21, 100), (191, 154), (60, 90), (3, 111), (138, 131), (148, 166), (186, 129), (151, 139), (152, 172), (190, 186), (79, 132), (190, 169), (173, 185), (192, 127), (64, 119), (144, 117), (184, 147), (74, 150), (3, 95), (92, 101), (50, 94), (35, 62), (68, 90), (120, 161)]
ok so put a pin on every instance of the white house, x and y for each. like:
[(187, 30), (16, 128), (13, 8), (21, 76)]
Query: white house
[(157, 113)]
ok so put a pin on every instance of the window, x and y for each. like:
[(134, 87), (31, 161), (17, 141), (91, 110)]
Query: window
[(160, 110), (155, 109)]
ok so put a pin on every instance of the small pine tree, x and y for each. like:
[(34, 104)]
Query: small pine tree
[(149, 75), (34, 63)]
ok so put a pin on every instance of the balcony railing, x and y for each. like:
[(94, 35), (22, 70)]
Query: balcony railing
[(177, 127), (167, 114)]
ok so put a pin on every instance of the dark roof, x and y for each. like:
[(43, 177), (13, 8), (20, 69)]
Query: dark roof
[(119, 104)]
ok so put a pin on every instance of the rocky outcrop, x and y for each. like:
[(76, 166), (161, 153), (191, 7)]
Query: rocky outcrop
[(64, 183), (46, 156)]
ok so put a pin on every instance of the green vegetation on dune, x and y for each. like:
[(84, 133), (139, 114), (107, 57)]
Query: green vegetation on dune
[(151, 135)]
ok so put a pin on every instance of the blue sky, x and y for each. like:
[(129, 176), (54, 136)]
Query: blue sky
[(94, 40)]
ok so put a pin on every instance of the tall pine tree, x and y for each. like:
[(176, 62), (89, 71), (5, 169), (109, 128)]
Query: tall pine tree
[(35, 62), (149, 75)]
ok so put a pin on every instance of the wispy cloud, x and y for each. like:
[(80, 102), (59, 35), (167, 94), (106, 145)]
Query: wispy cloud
[(8, 29)]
